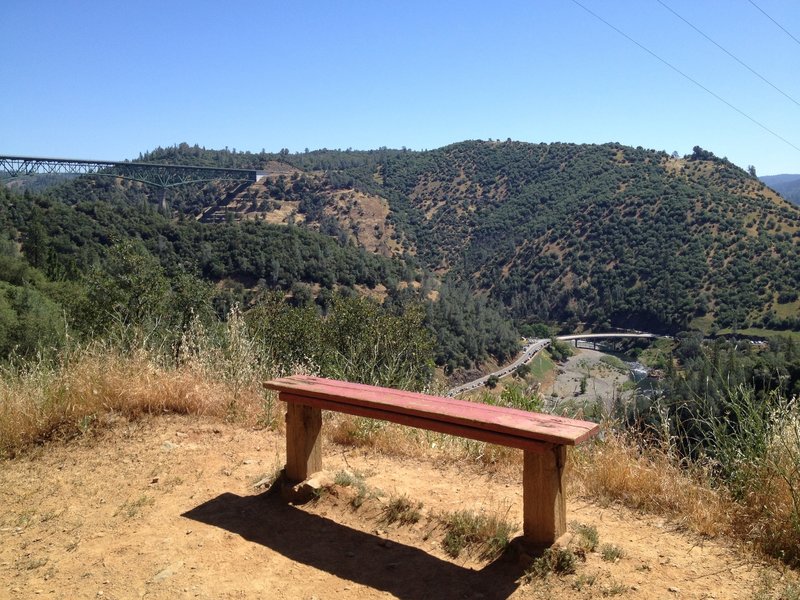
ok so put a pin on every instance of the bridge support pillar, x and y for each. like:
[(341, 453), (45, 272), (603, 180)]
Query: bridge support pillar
[(161, 196)]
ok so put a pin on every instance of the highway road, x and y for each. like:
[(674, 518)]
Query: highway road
[(532, 348), (527, 354)]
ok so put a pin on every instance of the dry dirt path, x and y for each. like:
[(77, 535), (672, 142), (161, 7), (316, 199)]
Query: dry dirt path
[(166, 508), (603, 382)]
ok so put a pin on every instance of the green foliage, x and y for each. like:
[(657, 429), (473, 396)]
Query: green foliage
[(30, 322), (724, 392), (523, 371), (596, 233), (516, 396), (588, 538), (614, 362), (611, 553), (467, 529), (603, 234), (541, 365), (729, 408), (401, 509), (132, 288), (70, 230), (699, 153), (358, 340), (555, 560), (364, 343), (539, 330), (560, 351), (469, 329), (31, 317)]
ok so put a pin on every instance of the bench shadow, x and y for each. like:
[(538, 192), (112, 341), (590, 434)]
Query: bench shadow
[(403, 571)]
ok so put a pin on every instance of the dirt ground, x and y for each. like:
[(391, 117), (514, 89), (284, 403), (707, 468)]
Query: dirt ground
[(603, 382), (167, 508)]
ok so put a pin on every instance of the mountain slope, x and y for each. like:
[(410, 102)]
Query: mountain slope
[(606, 234), (787, 186)]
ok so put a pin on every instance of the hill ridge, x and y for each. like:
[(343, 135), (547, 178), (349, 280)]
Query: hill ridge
[(603, 234)]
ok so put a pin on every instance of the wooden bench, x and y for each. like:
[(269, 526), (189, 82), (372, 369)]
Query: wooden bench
[(543, 438)]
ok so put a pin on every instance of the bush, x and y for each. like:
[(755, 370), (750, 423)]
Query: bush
[(465, 529), (560, 351), (589, 538), (557, 560), (402, 510)]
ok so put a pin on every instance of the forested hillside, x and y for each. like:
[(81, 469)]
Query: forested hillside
[(94, 258), (490, 236), (604, 234)]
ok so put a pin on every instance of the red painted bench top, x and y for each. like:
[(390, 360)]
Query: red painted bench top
[(495, 424)]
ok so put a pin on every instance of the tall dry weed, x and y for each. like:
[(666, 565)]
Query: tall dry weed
[(621, 469), (209, 373), (772, 517), (766, 513)]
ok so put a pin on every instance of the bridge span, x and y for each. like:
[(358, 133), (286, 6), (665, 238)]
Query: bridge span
[(158, 175), (595, 336)]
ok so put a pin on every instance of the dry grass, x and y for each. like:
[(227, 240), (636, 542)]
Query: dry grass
[(99, 384), (617, 470), (486, 534), (398, 440), (96, 385), (772, 506)]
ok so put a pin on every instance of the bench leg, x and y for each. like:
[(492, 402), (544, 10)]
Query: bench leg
[(303, 441), (544, 504)]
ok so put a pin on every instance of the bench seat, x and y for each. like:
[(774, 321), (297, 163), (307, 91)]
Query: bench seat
[(494, 424), (543, 438)]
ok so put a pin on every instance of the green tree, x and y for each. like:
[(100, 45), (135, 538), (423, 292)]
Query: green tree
[(29, 321), (130, 290), (523, 371), (367, 344), (35, 245)]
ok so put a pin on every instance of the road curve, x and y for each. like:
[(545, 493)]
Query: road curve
[(533, 347), (527, 354)]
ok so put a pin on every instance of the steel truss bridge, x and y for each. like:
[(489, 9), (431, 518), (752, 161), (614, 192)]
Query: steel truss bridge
[(157, 175)]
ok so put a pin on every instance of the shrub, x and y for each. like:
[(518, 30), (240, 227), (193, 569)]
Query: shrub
[(588, 536), (356, 481), (465, 528), (611, 553), (402, 510), (556, 560)]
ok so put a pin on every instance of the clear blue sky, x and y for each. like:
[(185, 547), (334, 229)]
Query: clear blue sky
[(108, 80)]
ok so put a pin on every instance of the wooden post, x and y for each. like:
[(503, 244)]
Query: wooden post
[(303, 441), (544, 505)]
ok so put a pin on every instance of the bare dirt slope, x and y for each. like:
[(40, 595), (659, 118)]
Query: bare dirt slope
[(166, 508), (603, 383)]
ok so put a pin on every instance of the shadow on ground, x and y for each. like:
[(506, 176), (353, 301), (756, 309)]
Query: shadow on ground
[(404, 571)]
